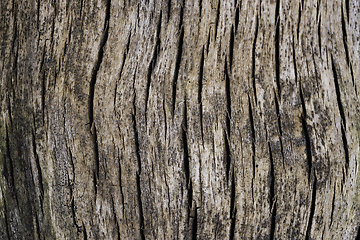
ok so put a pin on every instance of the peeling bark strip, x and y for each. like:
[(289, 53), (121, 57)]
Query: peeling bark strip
[(179, 120)]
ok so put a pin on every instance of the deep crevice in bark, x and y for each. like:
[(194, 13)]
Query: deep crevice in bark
[(178, 61), (217, 20), (185, 147), (152, 63), (358, 234), (272, 195), (231, 49), (137, 152), (319, 34), (237, 18), (252, 145), (228, 119), (40, 179), (277, 48), (347, 9), (332, 206), (194, 225), (232, 207), (299, 20), (343, 27), (200, 8), (338, 96), (253, 57), (141, 214), (312, 209), (307, 136), (294, 60), (201, 72), (92, 92)]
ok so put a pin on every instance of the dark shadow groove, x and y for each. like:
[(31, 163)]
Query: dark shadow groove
[(312, 210), (253, 140), (332, 206), (227, 158), (306, 135), (201, 72), (294, 59), (319, 34), (92, 91), (231, 49), (277, 48), (347, 9), (237, 18), (194, 225), (358, 233), (346, 147), (153, 62), (338, 96), (140, 207), (343, 27), (299, 20), (232, 207), (168, 10), (253, 57), (272, 195), (217, 20), (39, 172), (177, 67), (200, 8), (185, 147)]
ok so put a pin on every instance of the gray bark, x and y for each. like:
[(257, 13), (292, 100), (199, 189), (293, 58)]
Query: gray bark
[(179, 119)]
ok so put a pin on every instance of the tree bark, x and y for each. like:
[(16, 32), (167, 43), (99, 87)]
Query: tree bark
[(179, 119)]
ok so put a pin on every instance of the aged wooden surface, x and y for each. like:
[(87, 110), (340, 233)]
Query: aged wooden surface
[(179, 119)]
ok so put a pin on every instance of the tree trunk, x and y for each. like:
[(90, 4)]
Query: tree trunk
[(179, 119)]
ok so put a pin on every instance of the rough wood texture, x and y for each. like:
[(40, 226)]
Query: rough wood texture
[(179, 119)]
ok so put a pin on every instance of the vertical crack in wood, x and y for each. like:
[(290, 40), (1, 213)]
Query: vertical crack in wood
[(137, 152), (294, 60), (232, 207), (277, 48), (347, 9), (43, 83), (92, 92), (228, 124), (253, 140), (185, 146), (194, 224), (152, 63), (343, 27), (201, 72), (319, 33), (141, 214), (217, 20), (38, 168), (84, 232), (280, 129), (168, 10), (231, 49), (332, 205), (122, 65), (358, 233), (299, 20), (342, 114), (178, 60), (312, 210), (115, 217), (200, 8), (306, 135), (237, 18), (272, 195), (253, 57)]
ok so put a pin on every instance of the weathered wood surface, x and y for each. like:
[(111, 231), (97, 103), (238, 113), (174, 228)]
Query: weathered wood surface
[(179, 119)]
